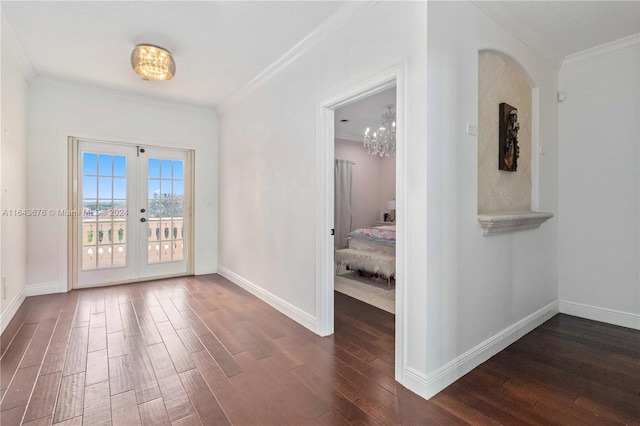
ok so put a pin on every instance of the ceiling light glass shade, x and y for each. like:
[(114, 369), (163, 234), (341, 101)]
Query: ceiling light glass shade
[(382, 141), (153, 62)]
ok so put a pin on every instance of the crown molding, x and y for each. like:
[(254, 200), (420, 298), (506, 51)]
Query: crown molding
[(342, 17), (597, 53), (519, 30), (54, 83), (15, 48)]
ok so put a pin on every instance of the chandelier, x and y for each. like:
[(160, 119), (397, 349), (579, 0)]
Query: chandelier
[(383, 140), (153, 62)]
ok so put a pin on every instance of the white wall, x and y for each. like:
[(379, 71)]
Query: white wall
[(479, 286), (268, 163), (13, 166), (373, 184), (58, 110), (599, 216)]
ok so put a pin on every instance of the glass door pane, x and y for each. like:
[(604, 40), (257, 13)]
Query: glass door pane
[(106, 188), (166, 210), (166, 227), (104, 211)]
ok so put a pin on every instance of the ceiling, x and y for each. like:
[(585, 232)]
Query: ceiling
[(561, 28), (362, 114), (218, 46)]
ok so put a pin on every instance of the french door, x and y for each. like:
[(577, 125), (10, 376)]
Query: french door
[(133, 220)]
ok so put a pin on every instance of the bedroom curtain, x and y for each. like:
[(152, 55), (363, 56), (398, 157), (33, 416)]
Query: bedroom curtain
[(342, 209)]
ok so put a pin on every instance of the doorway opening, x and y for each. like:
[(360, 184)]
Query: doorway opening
[(365, 196), (133, 213), (383, 84)]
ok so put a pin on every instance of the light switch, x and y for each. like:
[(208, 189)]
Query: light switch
[(472, 129)]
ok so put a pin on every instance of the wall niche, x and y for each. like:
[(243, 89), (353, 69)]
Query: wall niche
[(504, 196)]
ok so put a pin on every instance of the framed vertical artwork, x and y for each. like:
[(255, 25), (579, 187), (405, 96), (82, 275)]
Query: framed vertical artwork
[(508, 150)]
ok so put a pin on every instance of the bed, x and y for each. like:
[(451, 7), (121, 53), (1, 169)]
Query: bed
[(371, 250)]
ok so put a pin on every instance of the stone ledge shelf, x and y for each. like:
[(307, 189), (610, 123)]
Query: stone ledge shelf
[(498, 223)]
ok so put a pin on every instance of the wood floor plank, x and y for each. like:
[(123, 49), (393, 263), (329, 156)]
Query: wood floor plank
[(45, 421), (277, 369), (145, 319), (39, 343), (221, 355), (97, 404), (153, 413), (19, 390), (116, 345), (130, 325), (174, 396), (76, 421), (98, 319), (12, 416), (124, 408), (177, 351), (189, 340), (112, 311), (14, 325), (173, 314), (294, 406), (70, 402), (43, 399), (13, 355), (192, 420), (56, 354), (141, 369), (97, 338), (120, 375), (76, 361), (97, 367), (202, 399), (240, 409)]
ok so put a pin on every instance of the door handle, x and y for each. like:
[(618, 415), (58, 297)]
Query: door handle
[(142, 219)]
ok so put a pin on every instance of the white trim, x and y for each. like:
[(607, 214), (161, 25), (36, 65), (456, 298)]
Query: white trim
[(603, 51), (595, 313), (535, 148), (44, 288), (276, 302), (429, 385), (342, 17), (10, 310), (325, 150)]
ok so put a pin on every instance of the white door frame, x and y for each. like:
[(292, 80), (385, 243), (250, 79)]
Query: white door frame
[(395, 76)]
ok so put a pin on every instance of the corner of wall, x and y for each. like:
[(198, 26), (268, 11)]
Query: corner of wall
[(429, 385), (296, 314), (10, 310)]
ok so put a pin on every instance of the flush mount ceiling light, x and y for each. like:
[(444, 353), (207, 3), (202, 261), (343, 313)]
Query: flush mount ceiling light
[(153, 62)]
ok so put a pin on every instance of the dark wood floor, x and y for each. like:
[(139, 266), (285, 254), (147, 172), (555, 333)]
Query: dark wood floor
[(202, 351)]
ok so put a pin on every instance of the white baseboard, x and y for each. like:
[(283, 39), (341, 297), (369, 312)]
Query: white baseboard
[(10, 310), (44, 288), (595, 313), (281, 305), (429, 385)]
